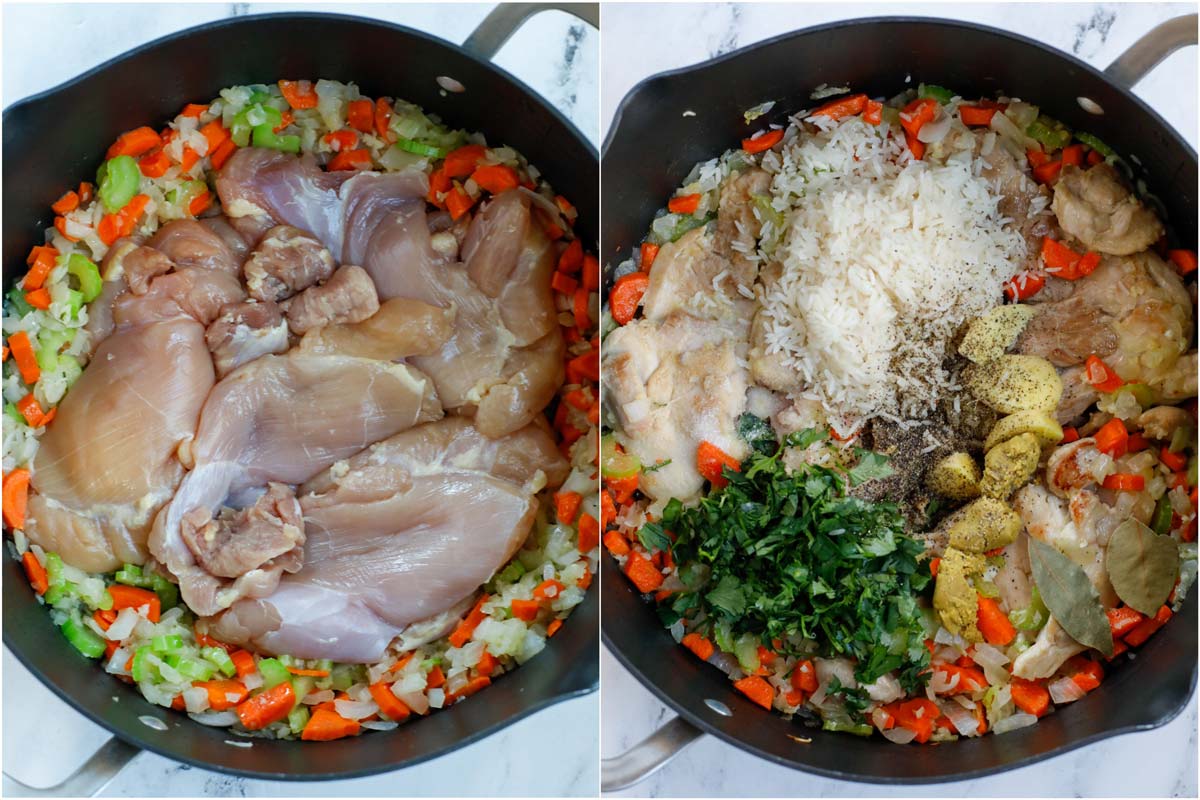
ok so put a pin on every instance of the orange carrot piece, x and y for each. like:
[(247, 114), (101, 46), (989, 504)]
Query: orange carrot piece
[(310, 673), (768, 139), (41, 260), (16, 495), (458, 202), (649, 252), (135, 142), (219, 691), (66, 204), (757, 689), (199, 204), (390, 706), (22, 353), (617, 544), (686, 204), (324, 725), (189, 160), (1184, 260), (35, 572), (270, 706), (589, 533), (243, 662), (975, 116), (299, 94), (193, 110), (526, 610), (496, 178), (360, 115), (642, 572), (872, 115), (1113, 438), (38, 298), (30, 408), (383, 119), (350, 159), (1030, 697), (709, 461), (214, 132), (547, 590), (566, 506), (155, 163), (994, 623), (222, 153), (133, 597), (626, 295), (466, 628), (842, 107), (462, 162), (553, 627), (1147, 627), (571, 259), (702, 647), (344, 139)]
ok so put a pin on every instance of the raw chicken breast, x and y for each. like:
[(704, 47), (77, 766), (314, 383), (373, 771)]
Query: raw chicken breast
[(400, 534)]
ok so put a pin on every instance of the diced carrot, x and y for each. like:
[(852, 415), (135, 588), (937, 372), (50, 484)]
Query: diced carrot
[(579, 307), (30, 408), (383, 119), (155, 163), (285, 119), (586, 580), (608, 509), (804, 677), (1112, 439), (85, 192), (566, 506), (1147, 627), (66, 204), (35, 572), (466, 628), (458, 202), (214, 132), (193, 110), (1037, 158), (994, 623), (463, 161), (1184, 260), (917, 715), (41, 260), (496, 178), (1047, 172), (645, 575), (270, 706), (1029, 696), (1072, 155), (623, 488), (299, 94), (649, 252), (109, 228), (1070, 434), (617, 544), (360, 114), (975, 116), (710, 460), (135, 143), (243, 662), (22, 353), (1137, 443), (757, 689), (589, 533), (129, 215), (222, 153), (1176, 462), (436, 679), (133, 597), (1024, 286), (350, 159), (969, 678), (1088, 673), (104, 618), (764, 141), (1094, 157), (189, 160), (915, 146), (547, 590), (390, 706), (686, 204), (324, 725), (627, 295), (482, 681), (525, 609), (402, 662), (219, 691), (570, 260), (199, 204), (48, 417), (553, 627), (38, 298), (702, 647), (562, 283), (309, 673), (841, 107), (60, 225), (916, 114), (488, 663), (178, 703), (1124, 482), (872, 115)]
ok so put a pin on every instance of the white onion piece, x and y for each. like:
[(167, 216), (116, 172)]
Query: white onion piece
[(437, 698), (360, 692), (1020, 720), (116, 664), (355, 709), (216, 719), (935, 130), (1065, 690), (255, 681), (315, 698), (992, 660), (727, 663), (939, 684), (899, 735), (879, 718), (963, 720), (988, 144), (417, 701), (127, 619), (195, 699), (456, 682), (380, 725)]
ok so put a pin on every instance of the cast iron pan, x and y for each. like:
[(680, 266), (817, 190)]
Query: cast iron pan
[(874, 56), (58, 138)]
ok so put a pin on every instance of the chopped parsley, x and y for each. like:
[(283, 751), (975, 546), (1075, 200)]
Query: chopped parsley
[(788, 555)]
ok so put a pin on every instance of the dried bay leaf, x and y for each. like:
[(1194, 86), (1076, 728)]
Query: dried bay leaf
[(1142, 566), (1070, 596)]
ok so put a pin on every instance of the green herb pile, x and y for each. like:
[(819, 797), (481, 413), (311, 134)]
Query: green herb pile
[(787, 555)]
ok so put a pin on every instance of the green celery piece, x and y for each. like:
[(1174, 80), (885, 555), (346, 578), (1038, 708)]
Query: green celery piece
[(420, 148), (14, 416), (74, 302), (342, 677), (302, 685), (50, 342), (141, 668), (83, 638), (273, 672), (1050, 132), (512, 573), (168, 593), (16, 301), (1033, 617), (189, 667), (939, 93), (88, 275), (57, 594), (297, 718), (118, 182), (170, 643), (54, 569), (221, 659), (614, 464), (1160, 523), (858, 729), (1095, 143), (265, 136), (130, 575)]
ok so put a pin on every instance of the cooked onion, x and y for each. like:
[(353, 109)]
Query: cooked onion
[(992, 659), (380, 725), (1065, 690), (939, 683), (216, 719), (313, 698), (355, 709), (936, 130), (963, 720), (899, 735), (417, 701), (124, 624), (1020, 720), (255, 681), (195, 699)]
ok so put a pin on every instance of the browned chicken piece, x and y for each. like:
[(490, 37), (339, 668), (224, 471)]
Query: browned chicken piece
[(348, 296), (285, 262), (1096, 207), (1077, 397), (1161, 422), (269, 532), (188, 243), (1018, 196), (244, 332), (142, 265), (738, 227), (401, 328)]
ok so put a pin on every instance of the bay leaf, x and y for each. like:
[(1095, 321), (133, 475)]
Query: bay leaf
[(1070, 596), (1142, 566)]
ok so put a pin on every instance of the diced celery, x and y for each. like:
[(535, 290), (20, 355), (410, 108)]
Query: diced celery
[(420, 148), (939, 93), (265, 136), (50, 342), (614, 464), (74, 302), (512, 573), (1097, 145), (274, 673), (130, 575), (192, 668), (170, 643), (168, 593), (1050, 132), (221, 659), (141, 668), (297, 718), (325, 664), (1161, 521), (118, 182), (16, 302), (839, 726), (88, 275), (1033, 617), (302, 685), (83, 638), (54, 569), (746, 650), (342, 676)]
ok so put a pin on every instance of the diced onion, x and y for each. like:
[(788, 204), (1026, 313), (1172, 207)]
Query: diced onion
[(899, 735), (963, 720), (195, 699), (936, 130), (355, 709), (380, 725), (255, 681), (322, 696), (437, 698), (1065, 690), (1020, 720), (216, 719), (417, 701), (127, 619)]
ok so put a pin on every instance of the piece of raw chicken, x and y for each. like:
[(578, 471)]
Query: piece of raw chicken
[(397, 536), (278, 419), (671, 386)]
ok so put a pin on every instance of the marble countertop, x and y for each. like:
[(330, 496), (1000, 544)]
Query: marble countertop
[(649, 38), (555, 55)]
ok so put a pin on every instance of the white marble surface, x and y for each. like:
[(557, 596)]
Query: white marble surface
[(649, 38), (555, 55)]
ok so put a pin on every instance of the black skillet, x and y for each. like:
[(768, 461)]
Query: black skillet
[(873, 56), (58, 138)]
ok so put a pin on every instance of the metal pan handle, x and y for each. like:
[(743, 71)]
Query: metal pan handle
[(504, 20), (1149, 51), (87, 781), (647, 756)]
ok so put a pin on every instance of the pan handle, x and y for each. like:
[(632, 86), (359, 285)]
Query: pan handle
[(1149, 51), (647, 756), (87, 781), (504, 20)]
